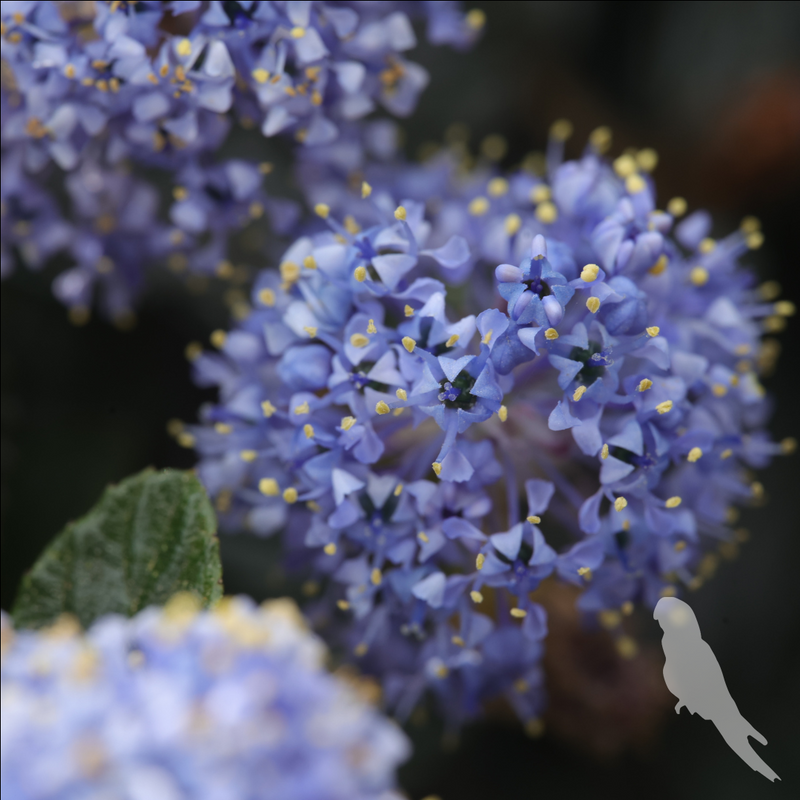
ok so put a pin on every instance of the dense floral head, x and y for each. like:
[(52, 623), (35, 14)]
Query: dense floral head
[(395, 389), (176, 703)]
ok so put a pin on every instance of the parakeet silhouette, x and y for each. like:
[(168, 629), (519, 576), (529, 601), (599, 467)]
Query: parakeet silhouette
[(693, 675)]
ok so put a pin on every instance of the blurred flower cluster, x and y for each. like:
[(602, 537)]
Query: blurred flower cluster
[(177, 703), (91, 89), (460, 383)]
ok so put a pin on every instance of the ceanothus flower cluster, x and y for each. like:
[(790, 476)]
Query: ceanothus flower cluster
[(177, 703), (467, 383), (88, 88)]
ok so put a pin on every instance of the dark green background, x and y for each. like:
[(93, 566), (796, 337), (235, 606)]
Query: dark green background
[(715, 88)]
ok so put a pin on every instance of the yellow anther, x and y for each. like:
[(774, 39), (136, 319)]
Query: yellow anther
[(668, 591), (719, 389), (376, 577), (653, 331), (695, 454), (674, 502), (381, 407), (360, 274), (476, 19), (185, 439), (609, 618), (533, 519), (754, 240), (578, 393), (218, 338), (699, 276), (726, 454), (359, 340), (664, 407), (290, 495), (774, 324), (659, 266), (497, 187), (322, 210), (757, 490), (680, 546), (298, 32), (452, 340), (310, 330), (551, 334), (512, 224), (644, 385), (785, 308), (502, 412), (302, 408), (351, 226), (309, 262), (402, 394), (647, 159), (248, 455), (437, 467), (546, 212), (625, 166), (487, 337), (604, 452), (494, 147), (409, 344), (478, 206), (69, 71), (347, 423), (480, 560), (634, 184), (267, 408), (184, 47), (519, 613), (423, 537), (290, 271), (366, 190), (308, 430), (360, 650), (193, 350), (620, 503), (585, 572), (398, 490), (626, 525), (269, 487), (458, 641), (223, 428), (677, 206), (590, 272), (260, 75), (707, 245), (750, 224), (408, 311), (627, 647), (400, 213), (627, 608), (788, 445), (540, 193), (330, 549), (561, 130), (593, 304), (180, 192), (600, 138), (476, 597)]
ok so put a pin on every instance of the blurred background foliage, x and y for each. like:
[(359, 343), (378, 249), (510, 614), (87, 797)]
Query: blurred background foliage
[(715, 89)]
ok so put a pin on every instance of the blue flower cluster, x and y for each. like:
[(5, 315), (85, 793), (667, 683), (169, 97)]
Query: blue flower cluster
[(175, 703), (89, 87), (460, 383)]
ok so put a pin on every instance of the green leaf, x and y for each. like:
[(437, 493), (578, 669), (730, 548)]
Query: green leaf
[(148, 537)]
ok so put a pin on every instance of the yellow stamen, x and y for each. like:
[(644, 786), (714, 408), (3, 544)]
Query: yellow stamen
[(540, 193), (546, 212), (347, 423), (518, 613), (248, 455), (458, 641), (360, 274), (322, 210), (402, 394), (754, 240), (695, 454), (302, 408), (585, 572), (268, 408), (478, 206), (625, 166), (184, 47), (193, 350), (707, 245), (677, 207), (497, 187), (476, 19), (502, 412), (268, 486), (659, 266), (343, 605), (674, 502), (593, 304), (480, 560), (726, 454), (186, 439), (223, 428), (664, 407), (309, 262), (561, 130), (653, 331), (310, 330), (376, 577), (330, 549), (788, 445), (600, 138), (590, 272), (604, 452), (290, 495), (267, 297), (578, 393), (437, 467), (366, 190), (644, 385), (260, 75), (634, 184), (452, 340), (381, 408), (477, 597), (785, 308), (290, 271), (218, 338), (351, 226), (423, 537), (398, 490), (512, 224), (308, 430), (360, 650), (620, 503), (551, 334), (359, 340), (298, 32), (533, 519), (487, 337), (409, 344), (408, 311), (647, 159), (400, 213), (699, 276)]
